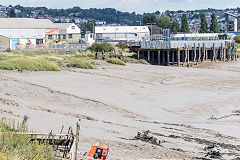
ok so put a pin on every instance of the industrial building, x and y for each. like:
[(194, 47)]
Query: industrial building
[(22, 31), (30, 33), (121, 33)]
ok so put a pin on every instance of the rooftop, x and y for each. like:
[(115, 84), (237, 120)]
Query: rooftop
[(63, 25), (25, 23)]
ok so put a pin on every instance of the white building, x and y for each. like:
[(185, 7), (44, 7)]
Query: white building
[(68, 32), (121, 33), (232, 22), (24, 31)]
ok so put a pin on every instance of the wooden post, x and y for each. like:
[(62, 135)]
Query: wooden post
[(148, 56), (185, 57), (76, 140), (221, 53), (224, 54), (214, 53), (153, 57), (168, 57), (195, 52), (199, 52), (96, 55), (164, 58), (159, 57), (138, 55), (230, 47), (235, 51), (206, 54), (204, 51), (188, 56), (178, 55), (173, 57)]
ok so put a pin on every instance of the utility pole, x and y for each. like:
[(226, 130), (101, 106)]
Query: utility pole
[(140, 23)]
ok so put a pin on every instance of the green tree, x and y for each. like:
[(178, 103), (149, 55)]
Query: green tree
[(175, 26), (214, 28), (204, 27), (99, 47), (164, 22), (88, 26), (185, 25), (12, 13), (149, 18)]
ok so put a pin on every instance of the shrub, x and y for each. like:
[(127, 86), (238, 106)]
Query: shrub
[(31, 64), (99, 47), (13, 146), (80, 64), (9, 50), (115, 61), (122, 46), (237, 39)]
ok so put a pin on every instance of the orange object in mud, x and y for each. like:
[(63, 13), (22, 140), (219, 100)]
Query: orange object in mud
[(99, 151)]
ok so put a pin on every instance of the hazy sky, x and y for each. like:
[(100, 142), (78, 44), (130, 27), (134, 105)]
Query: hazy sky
[(138, 6)]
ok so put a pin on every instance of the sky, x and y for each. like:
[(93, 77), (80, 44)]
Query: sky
[(138, 6)]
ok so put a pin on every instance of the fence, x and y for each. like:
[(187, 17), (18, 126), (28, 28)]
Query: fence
[(47, 47), (52, 47)]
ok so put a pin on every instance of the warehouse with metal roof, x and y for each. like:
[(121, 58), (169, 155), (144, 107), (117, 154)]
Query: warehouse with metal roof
[(24, 31)]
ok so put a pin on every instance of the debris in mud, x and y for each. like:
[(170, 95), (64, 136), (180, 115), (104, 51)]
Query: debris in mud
[(147, 137), (212, 118), (212, 152)]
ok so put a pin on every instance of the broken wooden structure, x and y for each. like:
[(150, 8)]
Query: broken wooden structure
[(187, 53), (65, 144)]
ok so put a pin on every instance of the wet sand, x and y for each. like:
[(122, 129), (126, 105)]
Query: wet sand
[(187, 109)]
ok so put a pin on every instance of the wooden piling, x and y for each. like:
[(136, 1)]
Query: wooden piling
[(224, 54), (178, 55), (173, 57), (168, 57), (235, 51), (153, 57), (185, 56), (230, 47), (159, 60), (188, 56), (204, 52), (214, 53), (164, 58), (149, 56), (195, 52), (199, 52)]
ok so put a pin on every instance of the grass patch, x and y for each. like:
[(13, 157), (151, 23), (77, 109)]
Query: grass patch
[(20, 147), (115, 61), (31, 64), (80, 63)]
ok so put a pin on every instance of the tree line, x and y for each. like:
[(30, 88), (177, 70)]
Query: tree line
[(109, 15), (165, 23)]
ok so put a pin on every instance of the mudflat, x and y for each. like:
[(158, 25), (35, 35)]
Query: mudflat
[(186, 109)]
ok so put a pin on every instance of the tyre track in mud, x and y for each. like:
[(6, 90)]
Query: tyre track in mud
[(117, 77), (39, 108), (124, 112), (14, 103)]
